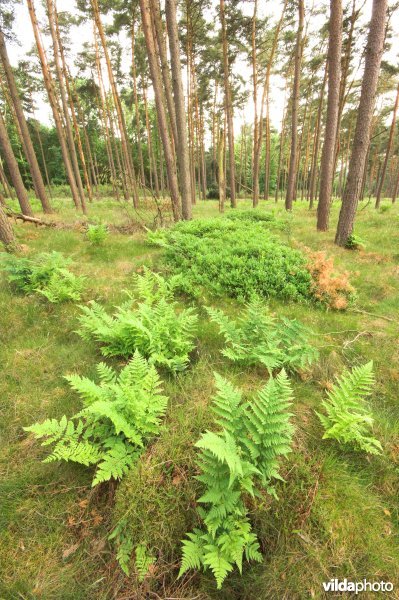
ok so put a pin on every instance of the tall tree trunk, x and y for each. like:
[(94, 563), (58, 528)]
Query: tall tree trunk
[(388, 151), (183, 158), (294, 109), (118, 106), (7, 236), (228, 107), (163, 57), (136, 104), (8, 193), (49, 84), (258, 134), (328, 152), (315, 156), (28, 146), (160, 106), (51, 11), (221, 175), (13, 169), (374, 51)]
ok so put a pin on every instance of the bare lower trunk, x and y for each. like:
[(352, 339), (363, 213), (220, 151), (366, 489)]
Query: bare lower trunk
[(388, 151), (183, 157), (7, 236), (294, 110), (25, 135), (328, 152), (374, 51), (13, 169), (160, 107), (228, 107)]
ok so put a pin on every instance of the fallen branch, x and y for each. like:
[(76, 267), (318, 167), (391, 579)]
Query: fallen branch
[(28, 219), (364, 312)]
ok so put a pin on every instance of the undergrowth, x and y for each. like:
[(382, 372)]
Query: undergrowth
[(46, 274), (119, 416), (150, 322), (238, 258)]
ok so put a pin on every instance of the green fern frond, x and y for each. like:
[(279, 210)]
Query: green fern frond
[(144, 560), (347, 418)]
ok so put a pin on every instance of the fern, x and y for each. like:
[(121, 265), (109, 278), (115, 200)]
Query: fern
[(347, 418), (124, 544), (97, 233), (119, 416), (258, 338), (144, 560), (46, 274), (150, 323), (242, 457)]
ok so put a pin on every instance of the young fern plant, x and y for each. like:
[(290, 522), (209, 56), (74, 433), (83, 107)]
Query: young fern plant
[(347, 418), (119, 416), (149, 322), (257, 337), (242, 457), (46, 274)]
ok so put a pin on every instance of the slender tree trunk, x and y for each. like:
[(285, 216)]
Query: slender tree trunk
[(258, 134), (7, 236), (328, 153), (49, 84), (183, 158), (136, 105), (294, 109), (160, 106), (162, 53), (8, 193), (374, 51), (228, 107), (51, 12), (221, 175), (28, 146), (313, 175), (388, 151), (118, 106), (13, 169)]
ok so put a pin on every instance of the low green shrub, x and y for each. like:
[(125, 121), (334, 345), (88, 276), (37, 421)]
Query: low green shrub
[(347, 418), (119, 416), (238, 258), (97, 234), (256, 337), (46, 274), (149, 322), (241, 458)]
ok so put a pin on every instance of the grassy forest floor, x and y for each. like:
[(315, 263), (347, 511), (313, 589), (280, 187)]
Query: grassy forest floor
[(337, 513)]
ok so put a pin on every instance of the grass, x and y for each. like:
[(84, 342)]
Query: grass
[(338, 511)]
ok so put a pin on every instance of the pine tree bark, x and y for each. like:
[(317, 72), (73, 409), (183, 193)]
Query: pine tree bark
[(221, 175), (258, 131), (316, 141), (25, 135), (118, 106), (49, 84), (7, 236), (388, 151), (334, 78), (374, 52), (183, 157), (160, 107), (294, 109), (163, 58), (228, 107), (13, 169), (136, 103)]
